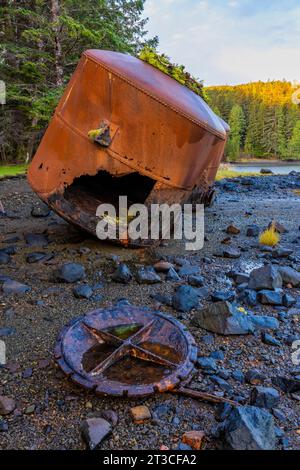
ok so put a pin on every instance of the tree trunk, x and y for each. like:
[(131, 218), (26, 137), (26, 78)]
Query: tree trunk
[(31, 140), (7, 24), (57, 48)]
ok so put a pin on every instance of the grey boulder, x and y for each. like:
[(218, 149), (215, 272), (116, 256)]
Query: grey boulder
[(94, 431), (286, 384), (231, 252), (290, 276), (247, 428), (267, 277), (264, 322), (147, 275), (7, 405), (122, 274), (223, 318), (185, 299), (71, 272), (14, 287), (265, 397), (83, 291), (269, 297), (4, 258)]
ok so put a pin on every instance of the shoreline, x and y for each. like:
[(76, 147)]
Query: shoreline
[(264, 162)]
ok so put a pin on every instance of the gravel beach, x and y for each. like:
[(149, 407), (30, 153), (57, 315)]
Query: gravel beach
[(48, 410)]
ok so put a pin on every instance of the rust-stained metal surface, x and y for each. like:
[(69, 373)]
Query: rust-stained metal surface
[(126, 351), (132, 129)]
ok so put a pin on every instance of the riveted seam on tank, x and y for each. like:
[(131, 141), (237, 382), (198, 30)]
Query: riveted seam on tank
[(119, 157)]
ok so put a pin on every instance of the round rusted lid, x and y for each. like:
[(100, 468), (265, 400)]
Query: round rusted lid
[(126, 351)]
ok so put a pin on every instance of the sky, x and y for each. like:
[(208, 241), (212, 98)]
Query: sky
[(229, 41)]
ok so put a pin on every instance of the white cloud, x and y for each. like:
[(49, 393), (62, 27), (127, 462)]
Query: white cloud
[(246, 64), (228, 45)]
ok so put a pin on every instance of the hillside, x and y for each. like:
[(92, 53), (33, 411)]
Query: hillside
[(264, 121)]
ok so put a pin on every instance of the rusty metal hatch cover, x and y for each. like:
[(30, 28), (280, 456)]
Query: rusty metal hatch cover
[(126, 351)]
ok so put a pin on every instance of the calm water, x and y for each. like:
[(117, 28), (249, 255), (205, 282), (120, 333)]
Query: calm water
[(277, 168)]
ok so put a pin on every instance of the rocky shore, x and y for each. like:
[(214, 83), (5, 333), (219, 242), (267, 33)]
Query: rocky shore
[(240, 301)]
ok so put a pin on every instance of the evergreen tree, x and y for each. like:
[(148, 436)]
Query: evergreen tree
[(41, 43), (281, 143), (237, 125), (292, 115), (253, 142), (216, 110), (294, 143), (270, 114), (269, 131)]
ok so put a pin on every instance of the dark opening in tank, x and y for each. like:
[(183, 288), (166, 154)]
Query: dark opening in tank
[(89, 192)]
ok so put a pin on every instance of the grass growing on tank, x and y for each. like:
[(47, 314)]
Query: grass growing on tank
[(178, 72)]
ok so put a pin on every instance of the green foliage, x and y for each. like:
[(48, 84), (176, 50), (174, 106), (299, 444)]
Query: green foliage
[(270, 118), (41, 43), (43, 106), (237, 126), (254, 131), (12, 170), (280, 135), (178, 72), (294, 143), (223, 173)]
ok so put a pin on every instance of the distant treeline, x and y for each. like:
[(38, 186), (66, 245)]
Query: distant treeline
[(263, 119)]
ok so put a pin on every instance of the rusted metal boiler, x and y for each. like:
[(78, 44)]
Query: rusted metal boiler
[(121, 128)]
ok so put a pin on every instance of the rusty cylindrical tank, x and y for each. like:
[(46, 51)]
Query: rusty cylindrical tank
[(156, 140)]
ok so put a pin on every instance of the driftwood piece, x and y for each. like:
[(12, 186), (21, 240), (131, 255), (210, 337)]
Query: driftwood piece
[(202, 396)]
